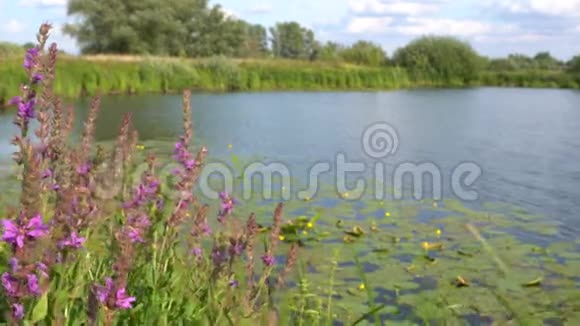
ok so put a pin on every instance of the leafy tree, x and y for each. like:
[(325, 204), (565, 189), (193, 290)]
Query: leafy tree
[(331, 51), (290, 40), (215, 35), (255, 40), (573, 65), (544, 60), (441, 57), (365, 53), (169, 27)]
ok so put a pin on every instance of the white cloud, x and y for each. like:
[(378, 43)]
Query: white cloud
[(424, 26), (545, 7), (261, 8), (13, 26), (517, 38), (361, 25), (43, 3), (417, 26), (393, 7)]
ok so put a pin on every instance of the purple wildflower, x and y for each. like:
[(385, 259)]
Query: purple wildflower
[(236, 249), (33, 284), (36, 78), (25, 109), (227, 205), (268, 260), (135, 235), (206, 229), (197, 252), (103, 291), (43, 269), (218, 257), (46, 174), (183, 156), (17, 311), (122, 301), (233, 283), (30, 58), (189, 164), (10, 283), (83, 169), (15, 100), (74, 241), (15, 234), (13, 262)]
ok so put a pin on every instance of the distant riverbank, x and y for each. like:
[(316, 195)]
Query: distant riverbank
[(81, 76)]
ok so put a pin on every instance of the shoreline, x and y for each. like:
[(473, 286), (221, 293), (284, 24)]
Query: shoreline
[(80, 77)]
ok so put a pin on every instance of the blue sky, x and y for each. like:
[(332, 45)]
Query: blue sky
[(494, 27)]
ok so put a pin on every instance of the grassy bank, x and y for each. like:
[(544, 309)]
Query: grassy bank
[(86, 76), (79, 76)]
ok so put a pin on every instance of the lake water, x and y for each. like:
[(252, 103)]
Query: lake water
[(526, 141)]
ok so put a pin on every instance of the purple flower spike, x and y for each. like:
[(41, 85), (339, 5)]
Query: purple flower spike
[(74, 241), (36, 78), (15, 100), (268, 260), (36, 228), (236, 249), (15, 235), (33, 284), (46, 174), (123, 301), (26, 110), (83, 169), (43, 269), (103, 291), (12, 234), (197, 252), (13, 262), (9, 283), (30, 58), (18, 311), (135, 235), (227, 205)]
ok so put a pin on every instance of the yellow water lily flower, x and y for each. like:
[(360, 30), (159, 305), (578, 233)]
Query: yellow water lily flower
[(140, 147), (361, 286), (438, 232), (426, 245), (388, 214), (304, 232), (282, 238), (310, 225)]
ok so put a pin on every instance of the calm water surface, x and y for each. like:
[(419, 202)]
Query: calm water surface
[(527, 142)]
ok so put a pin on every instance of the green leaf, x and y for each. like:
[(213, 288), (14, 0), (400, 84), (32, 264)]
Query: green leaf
[(41, 309), (536, 282)]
